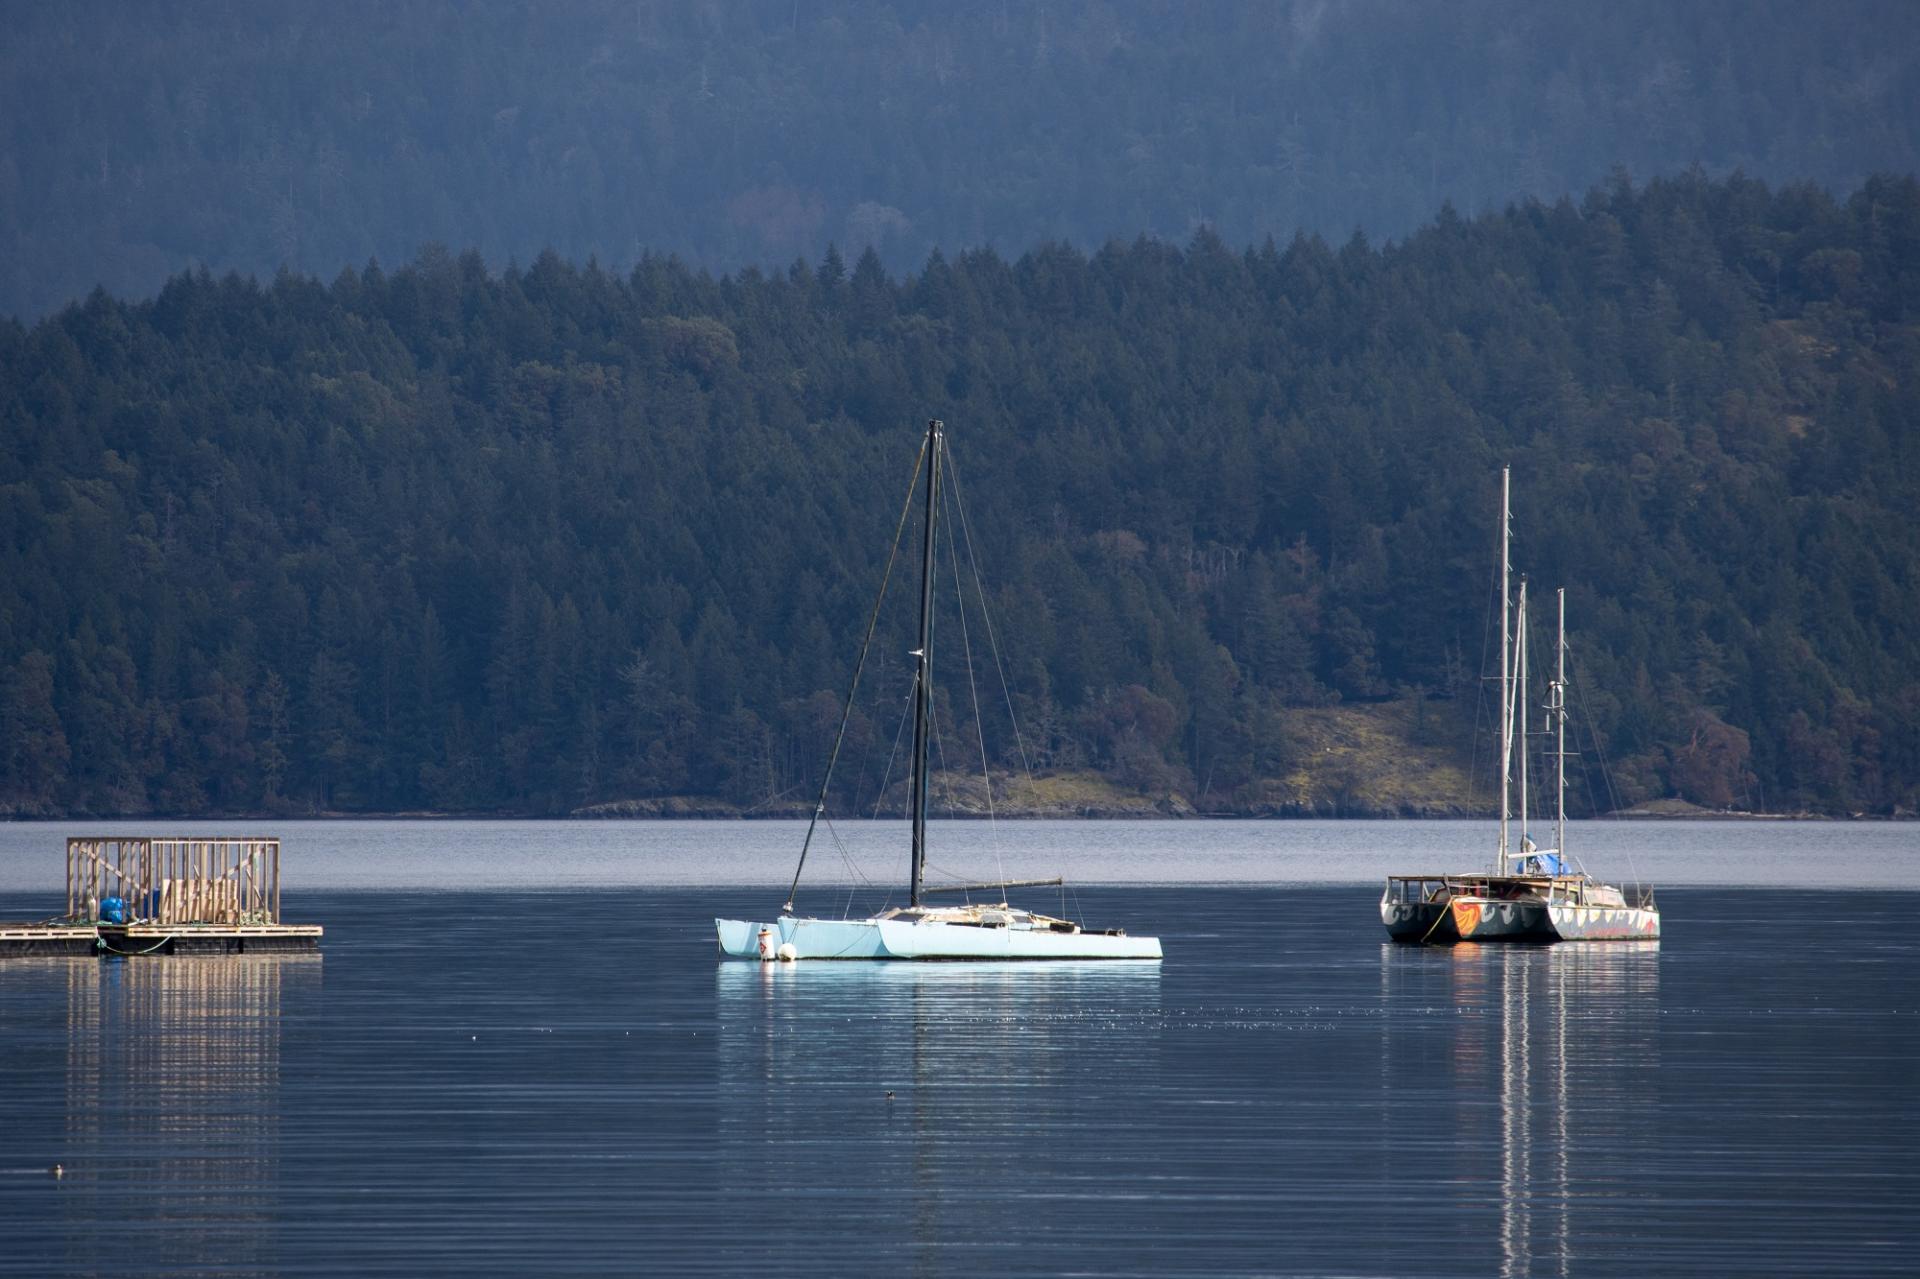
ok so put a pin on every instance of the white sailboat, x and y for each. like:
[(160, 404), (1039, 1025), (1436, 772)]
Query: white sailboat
[(994, 930)]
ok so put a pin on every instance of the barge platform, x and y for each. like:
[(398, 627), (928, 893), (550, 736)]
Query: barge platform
[(155, 939), (166, 895), (19, 938)]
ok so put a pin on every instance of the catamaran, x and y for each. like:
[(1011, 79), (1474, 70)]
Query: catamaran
[(1532, 894), (992, 929)]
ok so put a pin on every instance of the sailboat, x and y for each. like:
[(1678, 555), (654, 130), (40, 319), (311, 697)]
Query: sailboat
[(919, 930), (1532, 894)]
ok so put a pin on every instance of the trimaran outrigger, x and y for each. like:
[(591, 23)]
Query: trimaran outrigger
[(1532, 894), (994, 930)]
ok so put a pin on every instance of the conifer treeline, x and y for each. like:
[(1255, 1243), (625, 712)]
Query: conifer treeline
[(440, 539)]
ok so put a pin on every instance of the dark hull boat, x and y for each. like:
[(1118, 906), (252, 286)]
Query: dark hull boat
[(1437, 909), (1449, 908), (1532, 895)]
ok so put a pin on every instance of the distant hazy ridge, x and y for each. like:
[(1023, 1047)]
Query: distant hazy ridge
[(139, 140)]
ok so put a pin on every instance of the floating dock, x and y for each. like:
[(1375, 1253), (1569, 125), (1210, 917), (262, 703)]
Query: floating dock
[(166, 895), (47, 939)]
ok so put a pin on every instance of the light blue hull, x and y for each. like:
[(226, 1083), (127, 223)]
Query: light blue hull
[(895, 939), (810, 938)]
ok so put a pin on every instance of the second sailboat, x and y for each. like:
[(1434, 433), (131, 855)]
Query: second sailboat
[(973, 930)]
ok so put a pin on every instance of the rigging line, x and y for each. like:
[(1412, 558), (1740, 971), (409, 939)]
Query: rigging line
[(1600, 751), (872, 621), (880, 796), (973, 689), (940, 749), (1480, 708), (847, 857), (1586, 776), (948, 871), (1606, 774), (986, 614), (847, 861)]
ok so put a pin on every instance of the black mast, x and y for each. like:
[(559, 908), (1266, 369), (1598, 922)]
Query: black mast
[(923, 683)]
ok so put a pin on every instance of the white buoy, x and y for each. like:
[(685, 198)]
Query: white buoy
[(788, 954), (766, 945)]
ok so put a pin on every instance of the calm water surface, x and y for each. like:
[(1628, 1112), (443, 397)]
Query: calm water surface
[(567, 1082)]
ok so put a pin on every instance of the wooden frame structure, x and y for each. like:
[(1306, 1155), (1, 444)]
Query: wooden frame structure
[(169, 880)]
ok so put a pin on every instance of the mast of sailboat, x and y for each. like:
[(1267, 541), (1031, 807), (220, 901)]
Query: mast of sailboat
[(1520, 701), (1560, 726), (1506, 682), (923, 681)]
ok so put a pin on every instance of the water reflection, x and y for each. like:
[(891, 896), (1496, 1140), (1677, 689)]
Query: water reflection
[(916, 1085), (1564, 1040), (173, 1105)]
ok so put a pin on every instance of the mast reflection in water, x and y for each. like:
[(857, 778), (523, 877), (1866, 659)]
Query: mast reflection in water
[(1551, 1076), (916, 1082)]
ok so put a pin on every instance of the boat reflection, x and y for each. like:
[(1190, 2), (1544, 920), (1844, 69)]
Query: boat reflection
[(173, 1104), (899, 1090), (1564, 1041)]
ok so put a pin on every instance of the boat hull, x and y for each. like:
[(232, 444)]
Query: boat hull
[(810, 938), (959, 941), (1604, 923), (1489, 919), (903, 940), (1417, 921)]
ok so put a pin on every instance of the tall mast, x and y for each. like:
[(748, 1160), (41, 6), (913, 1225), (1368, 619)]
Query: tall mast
[(923, 681), (1560, 725), (1520, 700), (1506, 681)]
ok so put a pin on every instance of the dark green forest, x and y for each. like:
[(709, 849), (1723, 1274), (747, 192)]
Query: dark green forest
[(438, 538), (140, 140)]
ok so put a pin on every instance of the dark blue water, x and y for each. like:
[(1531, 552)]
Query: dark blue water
[(570, 1084)]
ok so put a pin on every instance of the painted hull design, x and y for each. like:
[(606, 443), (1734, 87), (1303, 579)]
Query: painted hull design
[(1493, 919), (1417, 921), (923, 940), (1604, 923)]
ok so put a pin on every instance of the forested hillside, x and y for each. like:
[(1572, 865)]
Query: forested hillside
[(138, 140), (437, 538)]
